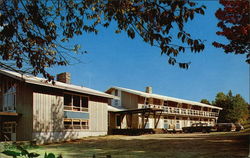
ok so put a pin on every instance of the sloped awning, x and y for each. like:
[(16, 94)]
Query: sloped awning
[(14, 114), (9, 116)]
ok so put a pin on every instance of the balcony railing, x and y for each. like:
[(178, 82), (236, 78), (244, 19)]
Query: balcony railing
[(182, 111)]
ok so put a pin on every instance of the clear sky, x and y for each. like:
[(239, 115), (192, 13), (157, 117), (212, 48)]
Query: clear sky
[(116, 60)]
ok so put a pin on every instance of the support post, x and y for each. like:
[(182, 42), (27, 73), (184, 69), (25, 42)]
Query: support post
[(143, 119), (154, 119), (146, 120), (158, 119), (131, 116)]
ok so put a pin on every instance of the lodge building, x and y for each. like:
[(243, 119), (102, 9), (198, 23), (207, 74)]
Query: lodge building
[(34, 109), (139, 110)]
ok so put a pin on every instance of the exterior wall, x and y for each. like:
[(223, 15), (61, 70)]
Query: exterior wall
[(47, 112), (129, 101), (112, 120), (23, 106), (98, 121), (169, 119), (49, 117), (47, 137)]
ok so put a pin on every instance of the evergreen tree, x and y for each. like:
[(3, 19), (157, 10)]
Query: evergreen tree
[(235, 108)]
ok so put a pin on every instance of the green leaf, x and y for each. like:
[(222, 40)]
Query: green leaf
[(32, 155), (50, 155), (11, 153)]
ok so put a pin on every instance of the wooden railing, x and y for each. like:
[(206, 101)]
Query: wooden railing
[(75, 108), (182, 111)]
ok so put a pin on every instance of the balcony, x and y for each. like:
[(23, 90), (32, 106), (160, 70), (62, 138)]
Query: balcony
[(182, 111)]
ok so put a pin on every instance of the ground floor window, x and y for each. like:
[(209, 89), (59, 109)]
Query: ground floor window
[(178, 124), (76, 124), (166, 124), (9, 127)]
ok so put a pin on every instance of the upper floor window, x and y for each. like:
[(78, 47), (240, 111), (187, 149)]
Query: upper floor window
[(76, 102), (116, 92), (9, 98)]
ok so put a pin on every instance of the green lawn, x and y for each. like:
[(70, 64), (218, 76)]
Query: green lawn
[(214, 145)]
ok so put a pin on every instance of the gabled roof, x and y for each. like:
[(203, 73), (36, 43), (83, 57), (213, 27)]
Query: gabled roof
[(166, 98), (59, 85)]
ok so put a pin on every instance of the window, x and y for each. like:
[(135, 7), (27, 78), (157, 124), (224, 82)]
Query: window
[(9, 127), (166, 124), (9, 99), (67, 100), (116, 102), (85, 102), (75, 102), (78, 124), (178, 124), (68, 124), (116, 92)]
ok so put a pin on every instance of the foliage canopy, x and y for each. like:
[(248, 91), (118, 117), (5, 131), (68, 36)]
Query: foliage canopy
[(33, 33), (205, 101), (234, 23), (235, 108)]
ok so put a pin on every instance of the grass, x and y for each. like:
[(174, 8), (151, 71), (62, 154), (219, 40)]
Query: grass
[(198, 145)]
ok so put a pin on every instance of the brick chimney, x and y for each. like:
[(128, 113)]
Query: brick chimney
[(63, 77), (149, 89)]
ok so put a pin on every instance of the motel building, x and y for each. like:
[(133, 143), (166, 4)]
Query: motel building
[(146, 110), (33, 109)]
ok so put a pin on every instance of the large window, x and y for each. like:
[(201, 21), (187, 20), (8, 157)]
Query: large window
[(9, 99), (76, 102), (76, 124)]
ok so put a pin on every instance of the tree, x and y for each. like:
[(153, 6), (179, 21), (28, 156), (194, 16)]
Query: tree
[(205, 101), (234, 21), (235, 108), (33, 33)]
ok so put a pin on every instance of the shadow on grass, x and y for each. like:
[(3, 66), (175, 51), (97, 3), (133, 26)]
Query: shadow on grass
[(194, 146)]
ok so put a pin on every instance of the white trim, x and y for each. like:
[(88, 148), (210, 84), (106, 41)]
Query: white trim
[(43, 82)]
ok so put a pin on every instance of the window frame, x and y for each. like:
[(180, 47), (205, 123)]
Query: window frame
[(71, 106), (9, 98), (73, 126)]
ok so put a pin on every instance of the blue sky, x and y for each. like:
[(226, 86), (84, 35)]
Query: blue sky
[(116, 60)]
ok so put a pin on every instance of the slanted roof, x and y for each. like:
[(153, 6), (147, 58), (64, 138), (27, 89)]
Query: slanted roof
[(162, 97), (60, 85), (114, 109)]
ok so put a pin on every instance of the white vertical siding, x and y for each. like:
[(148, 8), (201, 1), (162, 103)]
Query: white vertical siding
[(98, 120), (47, 112)]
